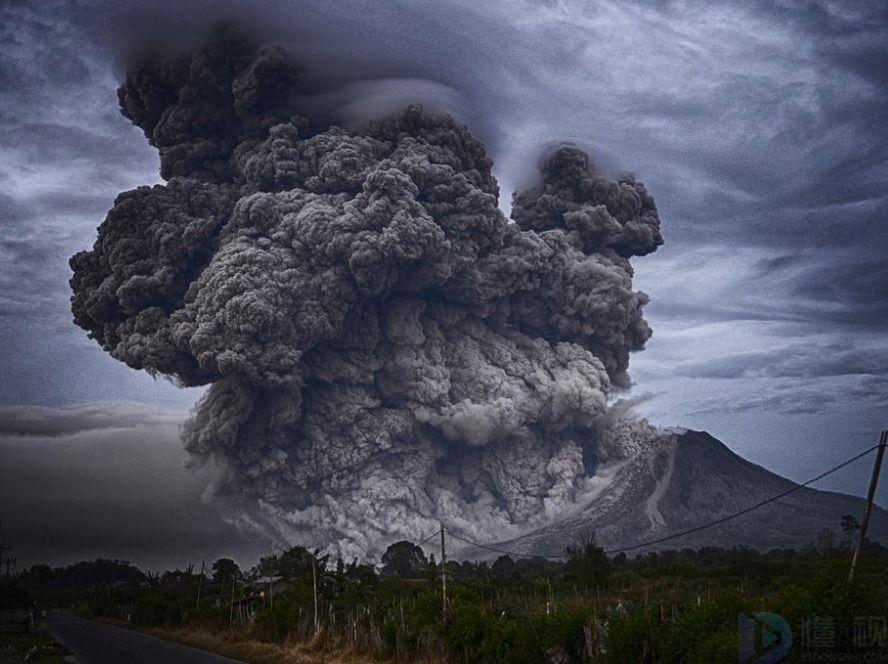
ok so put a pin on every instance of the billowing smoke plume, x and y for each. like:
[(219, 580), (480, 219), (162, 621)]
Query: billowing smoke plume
[(384, 349)]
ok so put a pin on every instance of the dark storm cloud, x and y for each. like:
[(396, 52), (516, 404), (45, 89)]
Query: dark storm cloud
[(805, 397), (825, 123), (827, 360), (60, 203), (859, 289), (343, 48), (360, 306), (12, 211), (871, 389), (869, 62), (837, 202), (40, 143), (828, 120), (837, 288), (40, 53), (786, 399), (29, 257), (35, 372), (26, 287), (63, 158), (33, 258)]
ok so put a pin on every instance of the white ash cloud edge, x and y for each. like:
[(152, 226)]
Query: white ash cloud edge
[(385, 350)]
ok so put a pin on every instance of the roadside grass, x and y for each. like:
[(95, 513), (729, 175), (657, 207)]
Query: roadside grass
[(241, 644), (37, 647)]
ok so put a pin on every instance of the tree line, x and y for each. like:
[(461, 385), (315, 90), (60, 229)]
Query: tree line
[(666, 606)]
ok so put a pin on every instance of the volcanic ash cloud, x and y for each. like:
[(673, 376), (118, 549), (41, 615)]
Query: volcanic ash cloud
[(384, 349)]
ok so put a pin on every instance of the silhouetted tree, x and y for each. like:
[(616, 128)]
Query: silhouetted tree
[(588, 563), (296, 564), (503, 566), (224, 569), (406, 560), (849, 526)]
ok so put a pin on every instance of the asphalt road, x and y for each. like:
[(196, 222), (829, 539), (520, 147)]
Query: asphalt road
[(98, 643)]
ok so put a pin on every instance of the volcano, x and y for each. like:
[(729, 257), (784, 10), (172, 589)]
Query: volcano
[(682, 481)]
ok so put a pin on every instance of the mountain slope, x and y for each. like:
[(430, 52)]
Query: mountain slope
[(684, 481)]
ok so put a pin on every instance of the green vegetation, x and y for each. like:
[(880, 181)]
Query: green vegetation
[(36, 645), (673, 606)]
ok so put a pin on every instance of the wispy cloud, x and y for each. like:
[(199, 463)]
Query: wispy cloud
[(44, 422)]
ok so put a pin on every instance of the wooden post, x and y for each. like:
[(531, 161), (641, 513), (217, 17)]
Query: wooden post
[(4, 558), (200, 583), (443, 576), (314, 575), (870, 495), (231, 607)]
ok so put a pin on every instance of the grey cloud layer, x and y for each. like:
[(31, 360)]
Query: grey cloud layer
[(40, 421), (760, 125)]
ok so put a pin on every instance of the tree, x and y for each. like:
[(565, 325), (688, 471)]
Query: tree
[(849, 526), (299, 564), (826, 541), (224, 569), (503, 565), (41, 575), (588, 563), (405, 559), (267, 566)]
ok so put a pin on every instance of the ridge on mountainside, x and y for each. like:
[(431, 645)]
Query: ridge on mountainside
[(686, 480)]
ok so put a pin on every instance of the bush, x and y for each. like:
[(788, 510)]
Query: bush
[(628, 641), (208, 616), (276, 622), (155, 609)]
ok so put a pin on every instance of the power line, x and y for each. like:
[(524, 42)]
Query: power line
[(483, 546), (688, 531), (427, 538), (747, 510), (504, 551)]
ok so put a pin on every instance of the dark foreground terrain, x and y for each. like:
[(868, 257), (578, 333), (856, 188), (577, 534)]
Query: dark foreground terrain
[(676, 607)]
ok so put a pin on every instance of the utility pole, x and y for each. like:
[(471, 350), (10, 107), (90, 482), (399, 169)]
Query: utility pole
[(231, 609), (443, 576), (314, 578), (870, 494), (4, 547), (200, 582), (9, 562)]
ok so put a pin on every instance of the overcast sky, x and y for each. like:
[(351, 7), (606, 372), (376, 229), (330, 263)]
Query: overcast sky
[(759, 127)]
